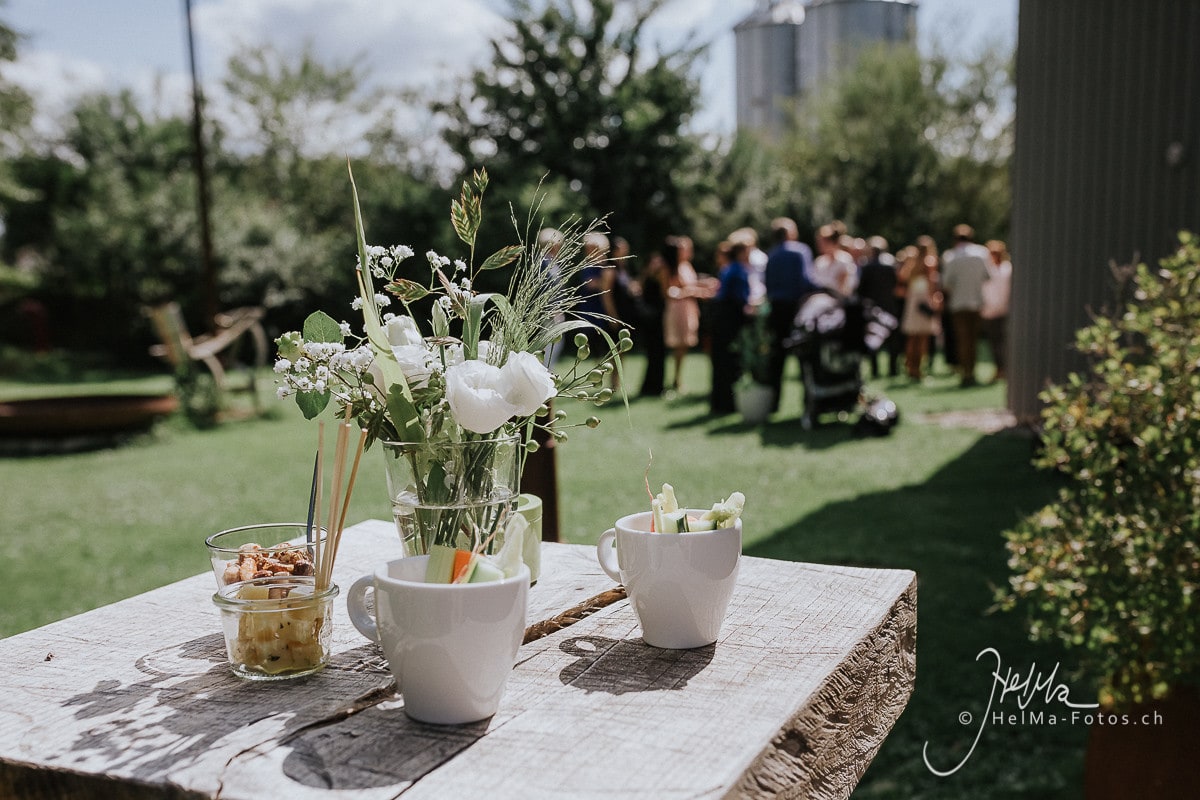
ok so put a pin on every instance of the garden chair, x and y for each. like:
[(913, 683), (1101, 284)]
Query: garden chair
[(183, 351)]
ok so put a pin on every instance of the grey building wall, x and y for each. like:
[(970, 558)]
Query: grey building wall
[(1106, 165), (765, 45), (835, 31), (785, 48)]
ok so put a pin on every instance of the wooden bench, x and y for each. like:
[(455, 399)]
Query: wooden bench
[(135, 699), (182, 351)]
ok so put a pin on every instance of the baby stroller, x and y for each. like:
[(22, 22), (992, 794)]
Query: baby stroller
[(832, 336)]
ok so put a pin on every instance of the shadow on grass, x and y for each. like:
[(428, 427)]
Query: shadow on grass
[(787, 432), (948, 530)]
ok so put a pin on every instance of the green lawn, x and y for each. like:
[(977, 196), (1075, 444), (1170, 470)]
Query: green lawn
[(84, 530)]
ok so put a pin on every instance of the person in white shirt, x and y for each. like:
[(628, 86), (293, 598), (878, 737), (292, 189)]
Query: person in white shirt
[(996, 294), (964, 272), (756, 262), (834, 268)]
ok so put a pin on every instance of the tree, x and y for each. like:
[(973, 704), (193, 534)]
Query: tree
[(287, 113), (738, 184), (16, 111), (572, 94), (902, 146)]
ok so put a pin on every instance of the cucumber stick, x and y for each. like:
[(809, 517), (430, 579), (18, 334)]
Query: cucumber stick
[(440, 566)]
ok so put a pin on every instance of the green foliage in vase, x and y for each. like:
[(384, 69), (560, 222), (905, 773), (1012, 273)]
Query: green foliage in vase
[(1113, 566)]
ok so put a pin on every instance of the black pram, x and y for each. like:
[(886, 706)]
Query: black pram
[(832, 336)]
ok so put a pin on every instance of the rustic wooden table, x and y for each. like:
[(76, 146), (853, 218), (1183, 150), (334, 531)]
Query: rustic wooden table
[(135, 699)]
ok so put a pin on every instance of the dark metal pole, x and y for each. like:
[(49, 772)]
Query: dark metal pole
[(206, 249)]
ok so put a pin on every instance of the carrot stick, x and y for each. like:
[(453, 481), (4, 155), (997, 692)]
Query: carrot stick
[(462, 560)]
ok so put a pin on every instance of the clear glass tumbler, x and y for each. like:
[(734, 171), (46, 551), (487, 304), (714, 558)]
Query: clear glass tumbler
[(280, 549), (276, 628)]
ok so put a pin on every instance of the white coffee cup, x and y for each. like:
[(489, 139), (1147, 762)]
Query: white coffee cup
[(679, 584), (450, 646)]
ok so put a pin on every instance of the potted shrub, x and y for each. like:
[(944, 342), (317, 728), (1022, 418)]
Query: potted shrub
[(1112, 568), (752, 394)]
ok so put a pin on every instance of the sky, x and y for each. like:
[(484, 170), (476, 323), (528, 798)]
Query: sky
[(73, 46)]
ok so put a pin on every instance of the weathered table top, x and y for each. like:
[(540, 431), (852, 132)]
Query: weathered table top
[(135, 699)]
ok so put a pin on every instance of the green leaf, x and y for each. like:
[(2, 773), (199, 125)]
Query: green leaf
[(404, 414), (436, 490), (551, 334), (312, 403), (320, 327), (408, 291), (503, 257), (473, 325)]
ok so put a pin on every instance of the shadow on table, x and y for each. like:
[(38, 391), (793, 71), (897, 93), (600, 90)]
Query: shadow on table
[(397, 751), (190, 701), (629, 665)]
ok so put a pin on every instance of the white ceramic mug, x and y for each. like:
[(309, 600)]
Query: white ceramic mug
[(450, 646), (679, 584)]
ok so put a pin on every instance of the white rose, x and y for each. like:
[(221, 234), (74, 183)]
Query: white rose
[(416, 362), (454, 352), (402, 330), (473, 392), (527, 384)]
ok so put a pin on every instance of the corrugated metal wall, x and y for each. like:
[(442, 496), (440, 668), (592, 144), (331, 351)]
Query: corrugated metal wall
[(1106, 164)]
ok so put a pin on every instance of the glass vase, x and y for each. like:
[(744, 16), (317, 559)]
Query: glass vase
[(454, 493)]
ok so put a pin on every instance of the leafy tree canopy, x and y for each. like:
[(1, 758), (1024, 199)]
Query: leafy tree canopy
[(572, 92)]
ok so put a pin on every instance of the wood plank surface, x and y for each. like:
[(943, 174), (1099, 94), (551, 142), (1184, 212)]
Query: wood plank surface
[(136, 699)]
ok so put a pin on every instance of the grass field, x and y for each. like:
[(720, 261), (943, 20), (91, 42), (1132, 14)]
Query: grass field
[(86, 529)]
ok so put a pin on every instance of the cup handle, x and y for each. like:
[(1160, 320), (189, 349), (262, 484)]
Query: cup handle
[(357, 607), (606, 554)]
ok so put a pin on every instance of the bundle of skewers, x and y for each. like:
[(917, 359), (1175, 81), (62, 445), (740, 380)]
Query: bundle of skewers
[(325, 551)]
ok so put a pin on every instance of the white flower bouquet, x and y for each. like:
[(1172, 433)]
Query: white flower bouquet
[(471, 371)]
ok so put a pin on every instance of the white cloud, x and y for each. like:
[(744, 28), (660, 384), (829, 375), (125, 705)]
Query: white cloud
[(401, 44)]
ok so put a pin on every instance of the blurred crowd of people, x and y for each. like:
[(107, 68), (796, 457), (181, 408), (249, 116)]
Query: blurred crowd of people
[(948, 301)]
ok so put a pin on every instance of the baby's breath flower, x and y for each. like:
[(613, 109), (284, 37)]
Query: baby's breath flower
[(382, 300), (402, 251), (433, 257), (356, 304), (302, 364), (460, 265), (345, 328), (284, 392), (282, 365), (375, 251)]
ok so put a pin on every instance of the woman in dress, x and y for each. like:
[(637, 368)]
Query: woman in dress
[(922, 309), (681, 317)]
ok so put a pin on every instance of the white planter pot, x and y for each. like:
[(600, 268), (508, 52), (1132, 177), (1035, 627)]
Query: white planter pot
[(754, 401)]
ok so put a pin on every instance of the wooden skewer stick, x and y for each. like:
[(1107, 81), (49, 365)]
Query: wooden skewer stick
[(339, 461), (358, 451), (345, 506)]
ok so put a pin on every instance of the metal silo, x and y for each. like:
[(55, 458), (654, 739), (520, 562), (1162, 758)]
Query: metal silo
[(766, 44), (836, 31)]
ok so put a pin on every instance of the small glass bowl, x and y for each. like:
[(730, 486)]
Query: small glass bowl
[(282, 550), (276, 628)]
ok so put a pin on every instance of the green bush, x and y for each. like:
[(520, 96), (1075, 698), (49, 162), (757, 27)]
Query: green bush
[(1112, 567)]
